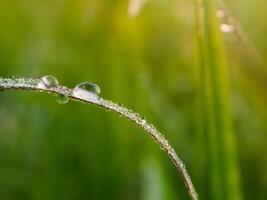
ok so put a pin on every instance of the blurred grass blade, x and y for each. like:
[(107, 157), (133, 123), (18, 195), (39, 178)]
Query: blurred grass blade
[(215, 123)]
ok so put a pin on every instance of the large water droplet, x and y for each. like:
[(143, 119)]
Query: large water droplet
[(87, 91), (227, 28), (47, 82), (62, 99)]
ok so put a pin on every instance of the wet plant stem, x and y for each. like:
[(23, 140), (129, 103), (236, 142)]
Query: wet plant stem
[(31, 84)]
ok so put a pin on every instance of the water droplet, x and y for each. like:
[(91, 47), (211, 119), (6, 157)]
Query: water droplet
[(62, 99), (135, 6), (227, 28), (87, 91), (182, 165), (220, 13), (47, 82)]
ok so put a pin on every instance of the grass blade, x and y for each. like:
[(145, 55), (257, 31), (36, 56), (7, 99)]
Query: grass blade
[(31, 84), (215, 122)]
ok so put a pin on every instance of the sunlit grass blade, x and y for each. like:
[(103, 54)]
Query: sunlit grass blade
[(215, 122)]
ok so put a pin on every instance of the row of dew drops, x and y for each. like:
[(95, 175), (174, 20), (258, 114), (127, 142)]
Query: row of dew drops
[(86, 91), (91, 92), (226, 24)]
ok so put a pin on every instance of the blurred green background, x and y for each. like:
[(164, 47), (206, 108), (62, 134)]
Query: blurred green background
[(148, 63)]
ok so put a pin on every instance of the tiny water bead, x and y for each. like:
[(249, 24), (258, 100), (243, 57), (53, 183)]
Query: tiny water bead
[(47, 82), (227, 28), (62, 99), (87, 91), (135, 6), (220, 13)]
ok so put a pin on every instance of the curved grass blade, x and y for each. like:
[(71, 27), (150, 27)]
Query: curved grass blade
[(33, 85)]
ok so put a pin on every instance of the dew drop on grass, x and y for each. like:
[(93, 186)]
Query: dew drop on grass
[(62, 99), (220, 13), (135, 6), (48, 82), (87, 91), (227, 28)]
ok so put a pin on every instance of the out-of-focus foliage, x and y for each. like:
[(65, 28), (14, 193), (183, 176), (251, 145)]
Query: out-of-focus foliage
[(74, 151)]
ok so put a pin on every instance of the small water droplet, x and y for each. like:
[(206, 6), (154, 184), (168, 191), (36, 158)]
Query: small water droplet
[(87, 91), (182, 165), (227, 28), (220, 13), (47, 82), (135, 6), (62, 99)]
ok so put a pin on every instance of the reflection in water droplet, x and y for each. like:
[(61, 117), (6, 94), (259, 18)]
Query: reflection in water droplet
[(227, 28), (62, 99), (87, 91), (47, 82)]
